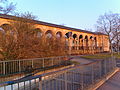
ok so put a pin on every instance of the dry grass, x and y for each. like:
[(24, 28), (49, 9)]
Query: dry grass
[(100, 56)]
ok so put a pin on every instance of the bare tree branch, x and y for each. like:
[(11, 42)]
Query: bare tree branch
[(20, 40), (6, 7), (109, 23)]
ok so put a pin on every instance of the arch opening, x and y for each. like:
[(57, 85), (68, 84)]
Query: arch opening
[(95, 38), (74, 36), (86, 41), (48, 34), (91, 37), (86, 37), (80, 37), (59, 34), (68, 34), (37, 32), (6, 27)]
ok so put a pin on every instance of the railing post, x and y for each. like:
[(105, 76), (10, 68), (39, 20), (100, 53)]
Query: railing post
[(24, 85), (19, 66), (105, 66), (12, 87), (43, 62), (52, 61), (114, 62), (40, 83), (92, 74), (32, 63), (109, 64), (30, 85), (4, 88), (66, 80), (100, 68), (18, 86), (111, 61), (4, 68), (82, 79), (59, 60)]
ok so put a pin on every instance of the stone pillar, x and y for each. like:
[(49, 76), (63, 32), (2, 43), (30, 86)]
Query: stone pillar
[(70, 45), (84, 42), (92, 46)]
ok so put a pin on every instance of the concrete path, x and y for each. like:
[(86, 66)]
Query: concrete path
[(112, 84), (81, 60)]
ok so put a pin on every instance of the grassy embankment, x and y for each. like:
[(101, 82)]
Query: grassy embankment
[(101, 56)]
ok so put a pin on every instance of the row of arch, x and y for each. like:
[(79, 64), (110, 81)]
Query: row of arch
[(49, 33), (77, 40)]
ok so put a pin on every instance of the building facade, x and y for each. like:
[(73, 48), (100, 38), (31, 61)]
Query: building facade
[(77, 41)]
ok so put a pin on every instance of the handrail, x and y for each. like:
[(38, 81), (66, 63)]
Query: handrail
[(94, 74), (50, 73), (32, 59)]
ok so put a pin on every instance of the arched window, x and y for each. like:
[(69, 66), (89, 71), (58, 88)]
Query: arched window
[(1, 30), (66, 35), (74, 36), (75, 42), (86, 41), (37, 32), (91, 37), (86, 37), (58, 34), (95, 39), (91, 41), (80, 37), (6, 27), (81, 40), (48, 34), (69, 34)]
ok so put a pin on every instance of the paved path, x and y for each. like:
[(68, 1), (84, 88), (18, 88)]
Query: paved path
[(81, 60), (112, 84)]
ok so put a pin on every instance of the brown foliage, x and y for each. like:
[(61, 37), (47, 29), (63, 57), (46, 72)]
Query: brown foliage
[(20, 41)]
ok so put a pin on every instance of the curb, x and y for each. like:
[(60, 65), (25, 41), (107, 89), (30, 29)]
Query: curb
[(101, 82)]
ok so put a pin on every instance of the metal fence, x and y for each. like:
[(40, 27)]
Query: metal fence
[(79, 77), (13, 69)]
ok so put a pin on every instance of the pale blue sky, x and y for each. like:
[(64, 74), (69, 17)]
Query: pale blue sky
[(81, 14)]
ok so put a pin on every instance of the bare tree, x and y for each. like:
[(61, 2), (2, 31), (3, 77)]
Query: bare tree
[(20, 40), (15, 39), (109, 24), (27, 15), (56, 47), (6, 7)]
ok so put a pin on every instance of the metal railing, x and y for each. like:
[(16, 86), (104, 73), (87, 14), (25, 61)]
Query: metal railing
[(79, 77), (13, 69)]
